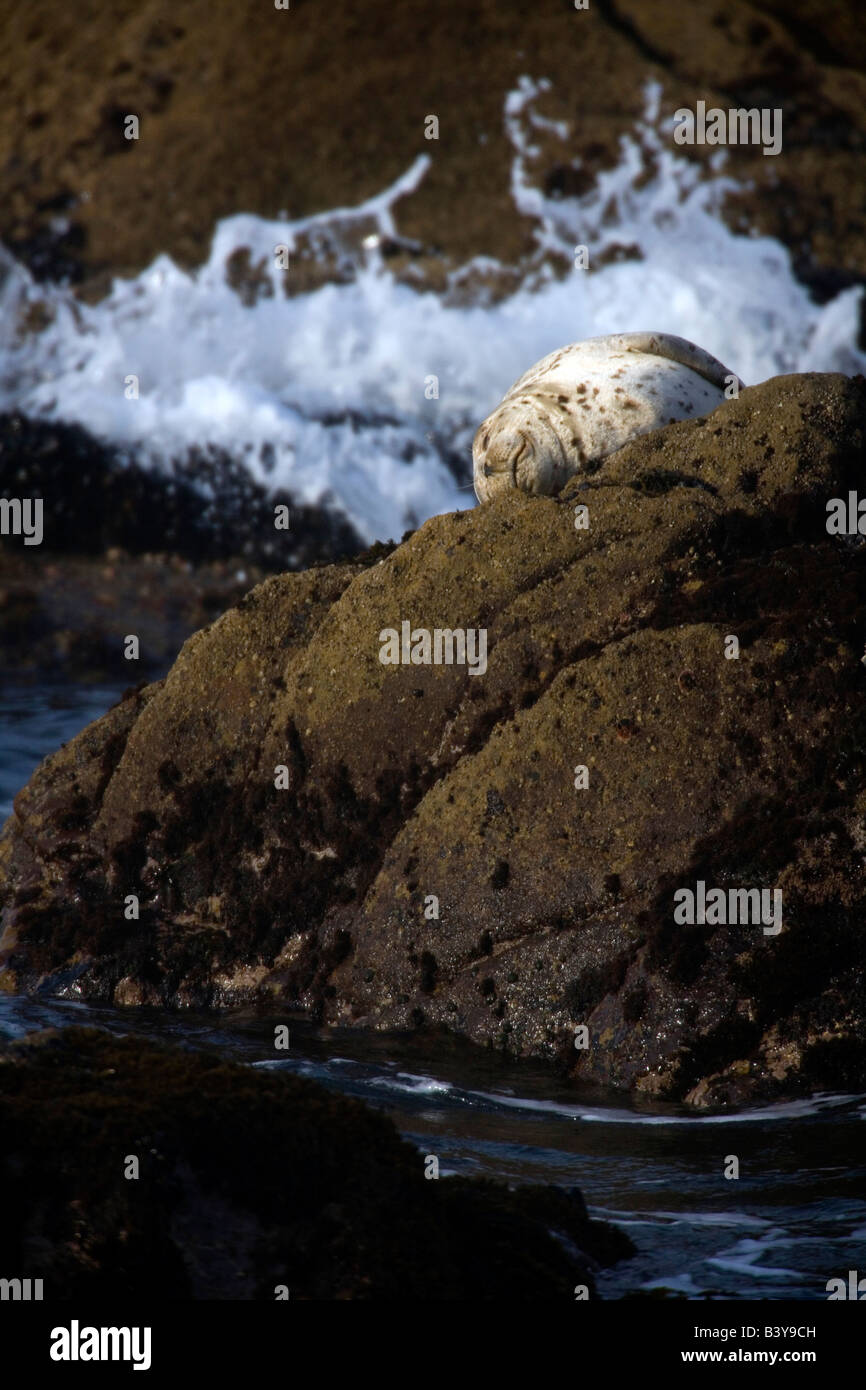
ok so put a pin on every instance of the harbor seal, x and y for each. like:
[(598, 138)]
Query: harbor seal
[(587, 400)]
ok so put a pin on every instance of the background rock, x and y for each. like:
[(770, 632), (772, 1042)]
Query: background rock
[(129, 549), (95, 498), (606, 648), (218, 134)]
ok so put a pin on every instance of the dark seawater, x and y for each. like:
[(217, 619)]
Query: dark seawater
[(795, 1218)]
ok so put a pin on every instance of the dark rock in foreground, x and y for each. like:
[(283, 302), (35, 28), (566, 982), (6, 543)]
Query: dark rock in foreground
[(249, 1180), (407, 783)]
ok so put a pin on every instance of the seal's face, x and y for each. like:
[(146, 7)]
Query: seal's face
[(516, 447)]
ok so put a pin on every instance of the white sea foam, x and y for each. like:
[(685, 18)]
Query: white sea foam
[(743, 1258), (664, 1219), (411, 1083), (677, 1283), (323, 393), (783, 1110), (715, 1218)]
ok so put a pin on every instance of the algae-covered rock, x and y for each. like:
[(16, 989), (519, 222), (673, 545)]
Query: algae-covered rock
[(400, 845), (148, 1171)]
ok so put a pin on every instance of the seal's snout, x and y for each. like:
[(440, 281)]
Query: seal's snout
[(502, 454)]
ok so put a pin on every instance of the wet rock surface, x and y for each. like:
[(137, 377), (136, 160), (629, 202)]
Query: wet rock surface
[(249, 1180), (286, 807)]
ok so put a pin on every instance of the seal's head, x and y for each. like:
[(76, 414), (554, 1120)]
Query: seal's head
[(517, 447)]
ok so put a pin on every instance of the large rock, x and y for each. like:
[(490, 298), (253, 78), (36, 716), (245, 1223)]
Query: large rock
[(556, 905), (248, 1181)]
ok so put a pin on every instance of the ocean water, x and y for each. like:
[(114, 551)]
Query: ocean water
[(329, 393), (795, 1218)]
